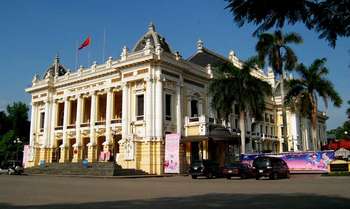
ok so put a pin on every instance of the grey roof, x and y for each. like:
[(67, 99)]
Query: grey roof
[(154, 38), (56, 69), (206, 56)]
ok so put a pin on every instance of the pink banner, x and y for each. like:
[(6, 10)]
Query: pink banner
[(25, 155), (172, 163)]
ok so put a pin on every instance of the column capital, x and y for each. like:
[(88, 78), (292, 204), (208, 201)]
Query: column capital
[(125, 84), (160, 78), (93, 92), (148, 79)]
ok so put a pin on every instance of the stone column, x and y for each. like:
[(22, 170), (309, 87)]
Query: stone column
[(148, 111), (125, 111), (159, 108), (77, 154), (64, 146), (33, 134), (33, 118), (178, 109), (46, 124), (92, 154), (109, 105), (53, 123), (52, 130)]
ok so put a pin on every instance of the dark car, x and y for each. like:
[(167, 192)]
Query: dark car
[(238, 170), (15, 167), (272, 167), (206, 168)]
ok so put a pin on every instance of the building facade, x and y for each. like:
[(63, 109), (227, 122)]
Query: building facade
[(129, 104)]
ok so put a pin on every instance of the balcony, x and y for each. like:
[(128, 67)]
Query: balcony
[(100, 123), (58, 128), (116, 120), (71, 126), (197, 126)]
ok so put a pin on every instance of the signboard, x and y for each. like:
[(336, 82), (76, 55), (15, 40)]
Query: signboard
[(172, 149), (26, 157), (299, 161)]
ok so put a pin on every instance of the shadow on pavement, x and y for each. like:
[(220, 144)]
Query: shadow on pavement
[(222, 201)]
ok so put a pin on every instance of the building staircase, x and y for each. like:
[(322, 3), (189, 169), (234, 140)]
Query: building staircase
[(93, 169)]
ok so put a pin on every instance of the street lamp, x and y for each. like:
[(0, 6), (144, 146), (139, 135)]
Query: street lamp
[(17, 141)]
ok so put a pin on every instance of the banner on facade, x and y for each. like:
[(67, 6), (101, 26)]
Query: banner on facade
[(26, 157), (172, 145), (313, 162)]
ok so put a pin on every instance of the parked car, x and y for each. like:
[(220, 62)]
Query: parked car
[(238, 169), (15, 167), (206, 168), (272, 167), (4, 171)]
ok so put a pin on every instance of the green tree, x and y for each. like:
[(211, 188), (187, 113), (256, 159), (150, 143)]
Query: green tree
[(18, 119), (304, 92), (329, 18), (14, 125), (232, 85), (274, 48)]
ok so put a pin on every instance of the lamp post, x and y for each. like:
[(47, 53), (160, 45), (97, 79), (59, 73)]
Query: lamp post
[(17, 141)]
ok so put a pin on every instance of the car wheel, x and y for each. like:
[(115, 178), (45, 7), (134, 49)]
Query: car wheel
[(194, 176), (257, 177), (228, 177), (243, 176), (210, 175), (288, 175), (274, 176)]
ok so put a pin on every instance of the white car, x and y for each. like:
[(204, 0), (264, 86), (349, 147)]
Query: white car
[(4, 171)]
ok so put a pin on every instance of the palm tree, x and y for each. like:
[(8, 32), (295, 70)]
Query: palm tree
[(328, 18), (232, 85), (275, 48), (304, 92)]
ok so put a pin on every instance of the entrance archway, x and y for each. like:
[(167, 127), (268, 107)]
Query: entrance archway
[(99, 146), (70, 149), (84, 147), (56, 152)]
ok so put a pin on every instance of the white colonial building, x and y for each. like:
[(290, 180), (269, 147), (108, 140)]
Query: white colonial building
[(128, 104)]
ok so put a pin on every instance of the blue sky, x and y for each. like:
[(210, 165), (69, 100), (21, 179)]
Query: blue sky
[(33, 32)]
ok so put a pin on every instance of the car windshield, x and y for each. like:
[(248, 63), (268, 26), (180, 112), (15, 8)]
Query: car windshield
[(197, 163), (261, 162), (231, 165)]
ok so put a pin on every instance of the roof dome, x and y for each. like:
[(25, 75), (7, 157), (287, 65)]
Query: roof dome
[(155, 40), (56, 69)]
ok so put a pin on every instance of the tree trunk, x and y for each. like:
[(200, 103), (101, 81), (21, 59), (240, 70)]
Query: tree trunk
[(284, 117), (314, 126), (242, 128)]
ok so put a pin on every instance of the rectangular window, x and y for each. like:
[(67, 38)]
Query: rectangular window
[(140, 107), (42, 121), (272, 134), (236, 109), (60, 114), (167, 107), (194, 108)]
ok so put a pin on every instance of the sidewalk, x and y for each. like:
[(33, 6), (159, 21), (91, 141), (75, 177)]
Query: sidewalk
[(105, 177)]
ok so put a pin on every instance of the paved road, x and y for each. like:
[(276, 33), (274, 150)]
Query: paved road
[(301, 191)]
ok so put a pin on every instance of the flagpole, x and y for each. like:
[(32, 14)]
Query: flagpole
[(76, 55), (88, 57), (104, 45)]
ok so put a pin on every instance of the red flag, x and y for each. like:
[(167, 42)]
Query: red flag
[(85, 43)]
